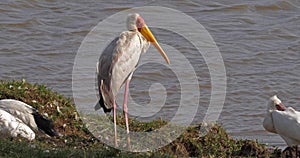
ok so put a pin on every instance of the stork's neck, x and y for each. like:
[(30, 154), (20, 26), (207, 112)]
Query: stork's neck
[(133, 30)]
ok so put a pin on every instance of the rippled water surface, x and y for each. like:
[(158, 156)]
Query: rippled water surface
[(259, 43)]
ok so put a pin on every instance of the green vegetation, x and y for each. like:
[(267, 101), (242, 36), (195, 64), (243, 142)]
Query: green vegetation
[(77, 141)]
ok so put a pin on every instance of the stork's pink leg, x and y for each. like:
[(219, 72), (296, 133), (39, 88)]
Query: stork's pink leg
[(115, 123), (125, 110)]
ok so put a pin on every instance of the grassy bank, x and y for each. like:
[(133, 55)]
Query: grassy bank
[(77, 141)]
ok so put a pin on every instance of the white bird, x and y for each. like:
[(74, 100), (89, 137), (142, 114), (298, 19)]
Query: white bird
[(28, 115), (118, 62), (12, 126), (283, 121)]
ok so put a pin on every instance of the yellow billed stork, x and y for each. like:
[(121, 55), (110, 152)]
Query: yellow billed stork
[(118, 62)]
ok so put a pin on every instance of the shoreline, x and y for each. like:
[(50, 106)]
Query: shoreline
[(78, 139)]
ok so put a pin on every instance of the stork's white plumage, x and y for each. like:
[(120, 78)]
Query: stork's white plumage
[(28, 116), (283, 121), (118, 62), (12, 126)]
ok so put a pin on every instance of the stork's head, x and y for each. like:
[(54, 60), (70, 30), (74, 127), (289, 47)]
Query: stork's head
[(276, 104), (136, 23), (131, 21)]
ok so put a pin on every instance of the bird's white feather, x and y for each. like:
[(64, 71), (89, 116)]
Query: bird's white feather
[(20, 110), (12, 126), (118, 62), (287, 125), (285, 121), (130, 46), (268, 123)]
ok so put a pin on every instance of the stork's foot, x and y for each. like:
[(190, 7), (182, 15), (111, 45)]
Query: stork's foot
[(291, 152), (128, 143)]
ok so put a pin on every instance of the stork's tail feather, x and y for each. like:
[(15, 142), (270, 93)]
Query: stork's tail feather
[(100, 104), (44, 124)]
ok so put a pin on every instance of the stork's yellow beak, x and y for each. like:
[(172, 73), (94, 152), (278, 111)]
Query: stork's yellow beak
[(145, 31)]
